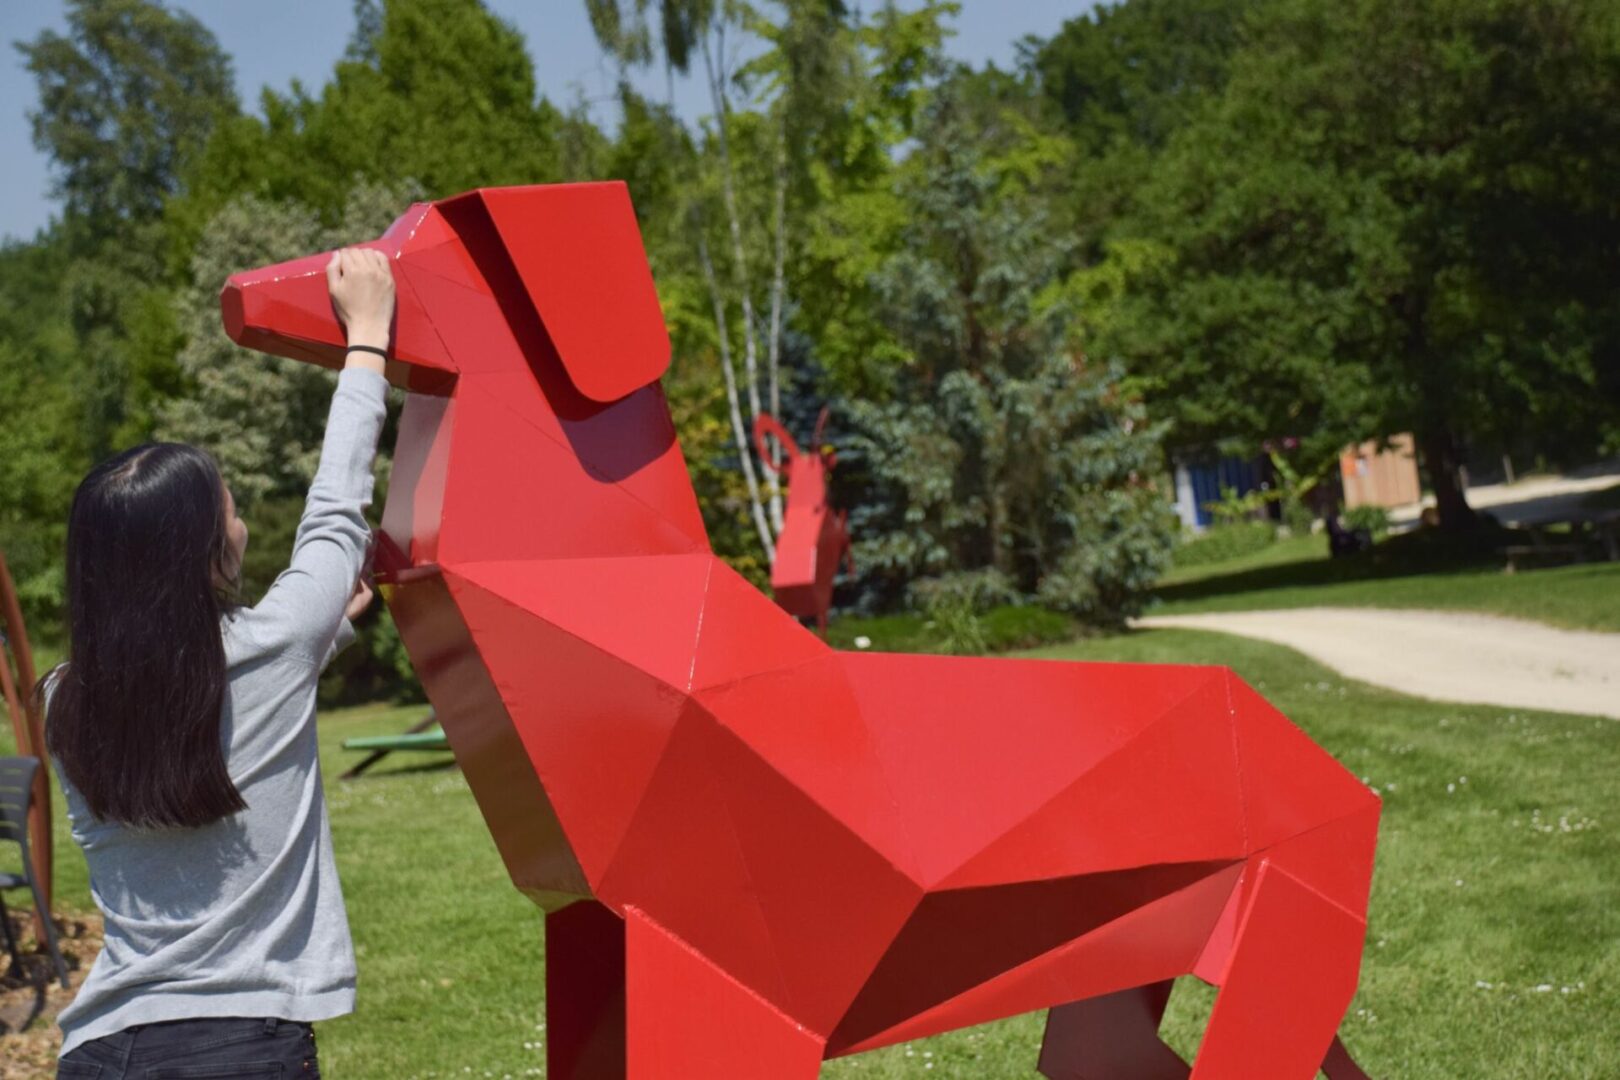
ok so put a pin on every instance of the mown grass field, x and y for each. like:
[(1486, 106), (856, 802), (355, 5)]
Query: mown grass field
[(1494, 949), (1402, 572)]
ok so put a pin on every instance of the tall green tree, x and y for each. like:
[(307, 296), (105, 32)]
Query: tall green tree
[(439, 92), (262, 417), (1001, 448), (42, 449), (1395, 217), (788, 131), (1134, 71), (127, 99)]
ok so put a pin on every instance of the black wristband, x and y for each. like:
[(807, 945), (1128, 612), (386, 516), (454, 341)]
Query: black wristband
[(370, 349)]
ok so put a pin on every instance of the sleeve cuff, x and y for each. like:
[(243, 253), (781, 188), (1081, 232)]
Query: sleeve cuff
[(364, 380)]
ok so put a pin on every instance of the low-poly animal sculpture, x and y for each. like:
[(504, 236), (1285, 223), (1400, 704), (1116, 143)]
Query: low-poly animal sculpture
[(815, 537), (757, 852)]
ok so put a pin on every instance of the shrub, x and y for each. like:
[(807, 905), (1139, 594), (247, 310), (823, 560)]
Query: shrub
[(1010, 626), (978, 590), (1224, 542), (1375, 519)]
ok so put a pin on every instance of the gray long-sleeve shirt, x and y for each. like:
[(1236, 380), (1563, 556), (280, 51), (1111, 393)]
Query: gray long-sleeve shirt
[(244, 917)]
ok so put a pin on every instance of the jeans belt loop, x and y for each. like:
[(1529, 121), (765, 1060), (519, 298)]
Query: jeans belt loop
[(270, 1023)]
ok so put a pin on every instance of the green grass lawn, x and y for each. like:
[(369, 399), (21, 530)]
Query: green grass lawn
[(1413, 571), (1494, 949)]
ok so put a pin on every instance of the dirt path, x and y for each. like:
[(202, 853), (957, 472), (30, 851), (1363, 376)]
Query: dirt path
[(1443, 655)]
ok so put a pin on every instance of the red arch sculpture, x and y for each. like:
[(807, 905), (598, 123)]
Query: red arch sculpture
[(757, 852)]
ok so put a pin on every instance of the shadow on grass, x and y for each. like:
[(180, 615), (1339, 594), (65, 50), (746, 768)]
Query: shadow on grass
[(1426, 552)]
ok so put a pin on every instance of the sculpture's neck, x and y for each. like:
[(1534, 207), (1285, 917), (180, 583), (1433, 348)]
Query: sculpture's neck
[(807, 489), (493, 474)]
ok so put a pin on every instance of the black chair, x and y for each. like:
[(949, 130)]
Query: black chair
[(16, 794)]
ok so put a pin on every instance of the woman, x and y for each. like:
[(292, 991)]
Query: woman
[(183, 730)]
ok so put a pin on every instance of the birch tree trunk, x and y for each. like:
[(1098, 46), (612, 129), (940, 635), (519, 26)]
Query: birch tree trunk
[(773, 355), (745, 450), (715, 72)]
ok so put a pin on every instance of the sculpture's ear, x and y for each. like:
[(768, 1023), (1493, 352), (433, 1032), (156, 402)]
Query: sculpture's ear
[(577, 250)]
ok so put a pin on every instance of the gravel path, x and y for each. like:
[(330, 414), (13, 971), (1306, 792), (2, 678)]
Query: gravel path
[(1443, 655)]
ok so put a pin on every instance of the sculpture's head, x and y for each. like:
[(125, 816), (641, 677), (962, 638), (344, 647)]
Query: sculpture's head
[(565, 262), (528, 328), (805, 471)]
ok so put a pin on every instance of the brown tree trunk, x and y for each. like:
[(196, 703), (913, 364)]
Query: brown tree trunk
[(1443, 465)]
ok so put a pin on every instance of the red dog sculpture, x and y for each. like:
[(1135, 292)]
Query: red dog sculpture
[(757, 852), (815, 537)]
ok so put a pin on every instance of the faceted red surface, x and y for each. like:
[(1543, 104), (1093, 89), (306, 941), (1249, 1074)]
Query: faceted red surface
[(757, 851)]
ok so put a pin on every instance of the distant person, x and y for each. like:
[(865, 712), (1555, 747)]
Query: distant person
[(1343, 540), (183, 730)]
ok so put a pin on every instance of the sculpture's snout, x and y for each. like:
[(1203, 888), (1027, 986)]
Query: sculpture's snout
[(285, 310)]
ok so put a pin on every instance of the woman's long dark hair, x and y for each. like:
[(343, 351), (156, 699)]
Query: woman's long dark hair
[(135, 712)]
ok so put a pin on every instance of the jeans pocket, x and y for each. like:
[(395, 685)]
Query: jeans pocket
[(77, 1070)]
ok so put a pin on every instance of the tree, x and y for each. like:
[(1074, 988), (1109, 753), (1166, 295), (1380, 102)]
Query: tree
[(127, 98), (811, 88), (1135, 71), (1001, 449), (42, 451), (263, 417), (1394, 218), (437, 91)]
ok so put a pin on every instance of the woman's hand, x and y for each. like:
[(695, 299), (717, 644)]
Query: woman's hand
[(361, 282), (359, 601)]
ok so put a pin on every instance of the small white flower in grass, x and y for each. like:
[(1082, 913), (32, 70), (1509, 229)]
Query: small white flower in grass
[(1544, 988), (863, 642)]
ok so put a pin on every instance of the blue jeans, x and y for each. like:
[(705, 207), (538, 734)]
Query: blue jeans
[(222, 1049)]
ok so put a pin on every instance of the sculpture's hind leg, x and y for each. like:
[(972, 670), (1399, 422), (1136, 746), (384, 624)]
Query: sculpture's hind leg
[(1339, 1065), (1287, 985), (584, 993), (1114, 1037), (685, 1018)]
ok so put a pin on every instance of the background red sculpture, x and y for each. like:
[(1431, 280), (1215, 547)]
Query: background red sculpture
[(17, 686), (756, 851), (815, 537)]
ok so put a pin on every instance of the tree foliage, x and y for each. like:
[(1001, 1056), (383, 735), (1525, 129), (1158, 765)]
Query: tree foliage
[(1392, 217), (1000, 448), (126, 100)]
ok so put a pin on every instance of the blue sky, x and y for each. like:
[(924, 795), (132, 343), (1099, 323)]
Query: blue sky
[(273, 42)]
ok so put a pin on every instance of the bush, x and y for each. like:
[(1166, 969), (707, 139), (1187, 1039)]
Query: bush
[(956, 625), (1010, 626), (1375, 519), (977, 590), (1224, 542)]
